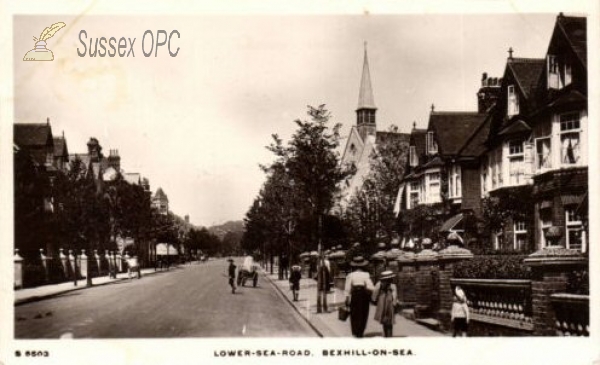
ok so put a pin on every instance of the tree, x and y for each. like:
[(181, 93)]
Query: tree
[(370, 214)]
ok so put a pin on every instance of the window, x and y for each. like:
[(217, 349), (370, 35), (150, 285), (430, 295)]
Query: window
[(552, 72), (433, 188), (573, 228), (432, 147), (414, 160), (499, 240), (570, 134), (454, 183), (413, 200), (543, 158), (559, 72), (520, 235), (352, 149), (484, 175), (516, 161), (513, 101), (545, 223)]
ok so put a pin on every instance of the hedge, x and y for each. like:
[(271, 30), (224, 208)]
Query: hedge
[(499, 266)]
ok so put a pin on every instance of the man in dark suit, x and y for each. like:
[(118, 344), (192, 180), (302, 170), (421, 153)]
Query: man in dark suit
[(231, 271)]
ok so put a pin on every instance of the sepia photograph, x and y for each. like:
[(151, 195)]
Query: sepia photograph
[(281, 187)]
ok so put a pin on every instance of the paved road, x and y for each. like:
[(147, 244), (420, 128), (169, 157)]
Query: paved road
[(192, 301)]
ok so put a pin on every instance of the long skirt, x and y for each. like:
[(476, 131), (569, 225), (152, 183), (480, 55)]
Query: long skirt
[(359, 310)]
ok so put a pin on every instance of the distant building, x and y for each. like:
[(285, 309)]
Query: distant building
[(363, 139), (160, 201)]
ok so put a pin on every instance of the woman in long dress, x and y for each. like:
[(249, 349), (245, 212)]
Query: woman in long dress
[(385, 296), (358, 295)]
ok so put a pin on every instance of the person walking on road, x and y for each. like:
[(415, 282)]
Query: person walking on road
[(385, 296), (295, 277), (460, 313), (323, 285), (358, 295), (231, 271)]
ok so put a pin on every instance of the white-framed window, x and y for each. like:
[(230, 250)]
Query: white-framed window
[(570, 139), (516, 159), (432, 147), (484, 175), (499, 179), (454, 182), (543, 158), (512, 101), (545, 223), (573, 228), (552, 69), (520, 235), (433, 187), (414, 160), (559, 72), (499, 239), (413, 194)]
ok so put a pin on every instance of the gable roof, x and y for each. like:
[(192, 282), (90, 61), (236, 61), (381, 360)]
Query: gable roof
[(475, 145), (453, 129), (160, 194), (517, 126), (417, 139), (574, 29), (60, 147), (32, 135), (527, 72)]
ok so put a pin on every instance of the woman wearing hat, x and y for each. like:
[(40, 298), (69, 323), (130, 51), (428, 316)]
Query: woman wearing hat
[(385, 296), (358, 295)]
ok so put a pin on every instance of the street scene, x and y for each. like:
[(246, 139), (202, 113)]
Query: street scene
[(382, 181)]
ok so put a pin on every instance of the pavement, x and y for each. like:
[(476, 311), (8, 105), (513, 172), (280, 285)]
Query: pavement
[(328, 324), (42, 292)]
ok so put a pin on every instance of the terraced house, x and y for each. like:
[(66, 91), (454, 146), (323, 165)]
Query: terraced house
[(537, 147)]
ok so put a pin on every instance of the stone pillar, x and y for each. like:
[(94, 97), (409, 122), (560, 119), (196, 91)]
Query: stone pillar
[(73, 262), (18, 260), (98, 262), (550, 268), (44, 260), (119, 260), (64, 262), (447, 260), (426, 284), (83, 264), (406, 281), (109, 263)]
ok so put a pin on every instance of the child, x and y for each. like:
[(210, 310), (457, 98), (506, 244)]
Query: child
[(295, 281), (460, 312)]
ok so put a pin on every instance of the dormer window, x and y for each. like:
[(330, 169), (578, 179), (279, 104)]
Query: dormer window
[(352, 149), (559, 72), (512, 101), (413, 158), (432, 147)]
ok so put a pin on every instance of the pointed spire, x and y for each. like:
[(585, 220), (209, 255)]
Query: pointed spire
[(365, 95)]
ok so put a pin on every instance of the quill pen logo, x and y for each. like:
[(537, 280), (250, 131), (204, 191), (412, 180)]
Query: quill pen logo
[(40, 52)]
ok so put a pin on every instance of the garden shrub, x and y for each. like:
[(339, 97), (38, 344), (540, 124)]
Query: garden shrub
[(498, 266)]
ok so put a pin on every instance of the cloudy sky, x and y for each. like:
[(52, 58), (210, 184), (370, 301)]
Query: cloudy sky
[(196, 125)]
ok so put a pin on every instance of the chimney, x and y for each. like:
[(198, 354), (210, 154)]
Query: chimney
[(488, 93), (114, 160), (510, 54)]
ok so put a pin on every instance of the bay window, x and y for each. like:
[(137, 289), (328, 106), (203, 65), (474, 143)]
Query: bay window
[(543, 157), (516, 162), (433, 187), (520, 235)]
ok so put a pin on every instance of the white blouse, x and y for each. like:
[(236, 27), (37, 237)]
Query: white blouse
[(358, 278)]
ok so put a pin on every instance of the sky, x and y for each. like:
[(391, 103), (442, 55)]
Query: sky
[(196, 125)]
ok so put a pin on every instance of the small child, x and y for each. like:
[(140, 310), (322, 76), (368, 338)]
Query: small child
[(460, 312), (295, 281)]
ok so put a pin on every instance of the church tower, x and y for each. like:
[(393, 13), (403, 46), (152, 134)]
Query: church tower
[(365, 113)]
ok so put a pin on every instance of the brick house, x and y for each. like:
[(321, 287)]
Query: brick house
[(538, 142)]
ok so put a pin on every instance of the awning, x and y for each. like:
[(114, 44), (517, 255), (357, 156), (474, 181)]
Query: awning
[(451, 223), (166, 249)]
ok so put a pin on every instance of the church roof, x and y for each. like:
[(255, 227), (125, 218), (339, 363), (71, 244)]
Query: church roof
[(365, 95)]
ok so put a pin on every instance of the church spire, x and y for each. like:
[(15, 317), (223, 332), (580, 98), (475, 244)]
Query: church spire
[(365, 113), (365, 95)]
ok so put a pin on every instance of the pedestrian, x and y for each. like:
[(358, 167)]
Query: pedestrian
[(133, 265), (295, 277), (323, 285), (285, 263), (385, 297), (460, 312), (231, 271), (358, 295)]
